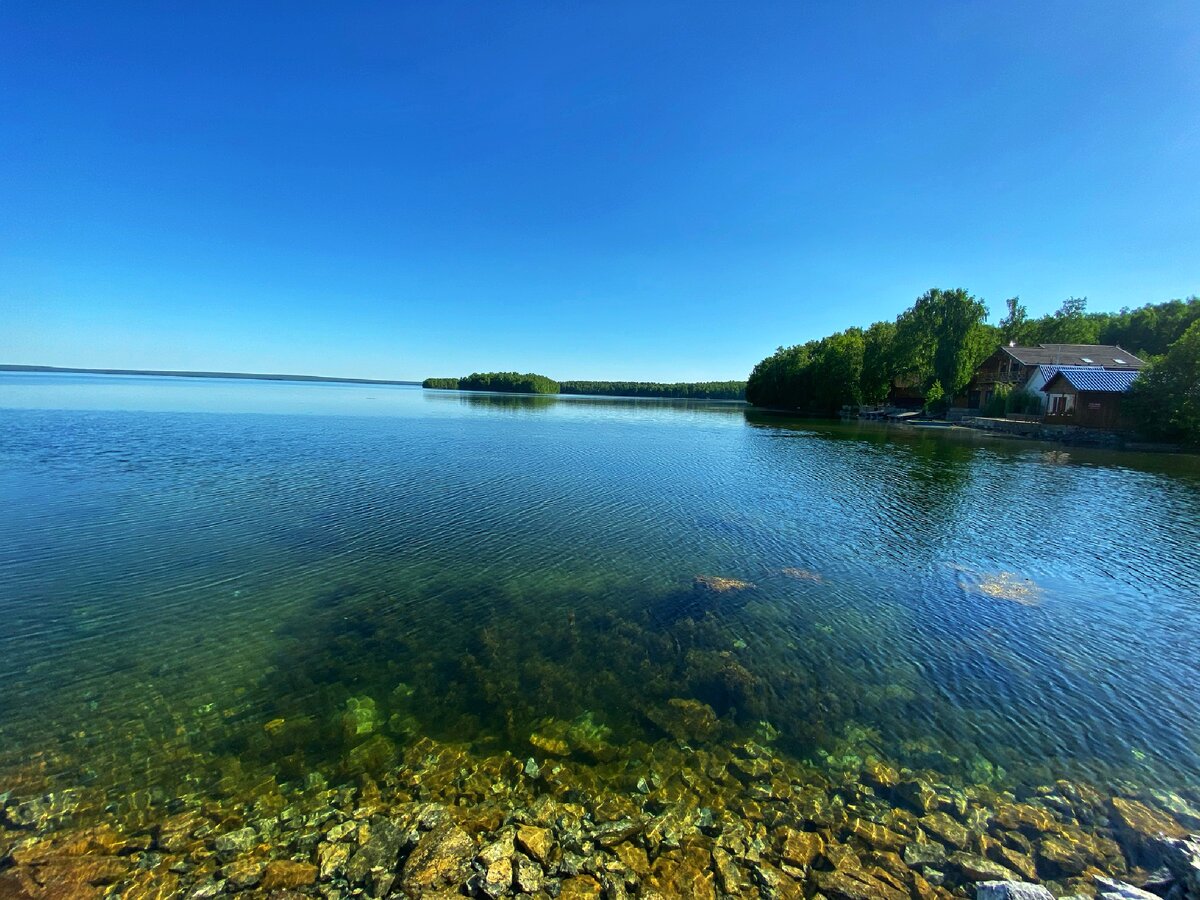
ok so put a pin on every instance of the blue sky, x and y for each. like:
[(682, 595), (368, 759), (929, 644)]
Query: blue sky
[(590, 190)]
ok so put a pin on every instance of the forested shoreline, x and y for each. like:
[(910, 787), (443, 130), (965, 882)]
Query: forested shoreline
[(530, 383), (935, 346)]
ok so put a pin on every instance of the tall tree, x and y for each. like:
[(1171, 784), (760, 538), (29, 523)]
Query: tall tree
[(943, 337), (1165, 399), (1013, 326)]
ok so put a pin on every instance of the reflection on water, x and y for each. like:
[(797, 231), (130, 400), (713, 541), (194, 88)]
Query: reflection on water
[(330, 581)]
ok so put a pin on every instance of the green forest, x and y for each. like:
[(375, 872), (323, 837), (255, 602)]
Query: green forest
[(936, 344), (512, 382), (697, 390), (501, 382)]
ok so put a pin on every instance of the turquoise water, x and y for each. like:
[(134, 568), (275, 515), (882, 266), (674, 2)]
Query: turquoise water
[(185, 562)]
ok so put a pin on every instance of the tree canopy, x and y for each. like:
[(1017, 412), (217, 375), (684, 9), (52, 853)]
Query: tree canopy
[(936, 345), (1165, 398)]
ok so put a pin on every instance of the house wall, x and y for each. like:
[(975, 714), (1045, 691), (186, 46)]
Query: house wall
[(1087, 409), (1034, 386)]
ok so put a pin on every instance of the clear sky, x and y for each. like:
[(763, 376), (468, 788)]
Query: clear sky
[(646, 190)]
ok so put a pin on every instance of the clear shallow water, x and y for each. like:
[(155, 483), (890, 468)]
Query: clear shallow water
[(183, 562)]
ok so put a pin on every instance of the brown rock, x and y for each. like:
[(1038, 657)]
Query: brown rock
[(498, 879), (634, 858), (976, 868), (718, 585), (244, 872), (777, 884), (685, 719), (689, 876), (581, 887), (441, 859), (839, 885), (527, 875), (1060, 857), (880, 775), (287, 873), (729, 875), (841, 857), (876, 835), (917, 794), (537, 842), (800, 848), (1142, 822), (946, 829), (1019, 862)]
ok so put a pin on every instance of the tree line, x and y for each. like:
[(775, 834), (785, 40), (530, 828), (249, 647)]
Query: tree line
[(513, 382), (501, 382), (935, 346), (697, 390)]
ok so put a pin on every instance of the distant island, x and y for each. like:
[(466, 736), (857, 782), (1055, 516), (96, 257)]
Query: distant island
[(531, 383), (255, 376)]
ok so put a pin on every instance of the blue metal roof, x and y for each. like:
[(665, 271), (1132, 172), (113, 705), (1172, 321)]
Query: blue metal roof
[(1096, 379)]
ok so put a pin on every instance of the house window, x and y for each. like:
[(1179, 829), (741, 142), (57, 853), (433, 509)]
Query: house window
[(1086, 360)]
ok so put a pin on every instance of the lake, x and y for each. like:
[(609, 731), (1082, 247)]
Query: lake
[(215, 592)]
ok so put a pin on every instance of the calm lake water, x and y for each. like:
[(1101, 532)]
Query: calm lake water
[(185, 562)]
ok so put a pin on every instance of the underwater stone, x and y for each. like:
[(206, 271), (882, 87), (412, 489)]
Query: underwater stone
[(580, 887), (880, 774), (775, 883), (283, 874), (1011, 890), (360, 718), (924, 854), (1111, 889), (1019, 862), (374, 756), (374, 863), (1061, 857), (685, 719), (441, 859), (876, 835), (233, 842), (945, 828), (1182, 858), (977, 868), (331, 857), (839, 885), (527, 875), (917, 794), (501, 848), (537, 842), (1137, 827), (498, 879), (244, 872), (800, 848)]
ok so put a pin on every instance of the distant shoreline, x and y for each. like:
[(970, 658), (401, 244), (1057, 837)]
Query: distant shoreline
[(252, 376)]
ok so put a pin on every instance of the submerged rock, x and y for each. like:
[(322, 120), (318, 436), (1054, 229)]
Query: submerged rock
[(360, 718), (1011, 890), (685, 719), (441, 859)]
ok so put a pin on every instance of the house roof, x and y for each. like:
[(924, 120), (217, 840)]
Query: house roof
[(1104, 355), (1048, 372), (1094, 378)]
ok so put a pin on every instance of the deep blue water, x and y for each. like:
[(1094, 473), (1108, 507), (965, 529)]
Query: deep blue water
[(182, 561)]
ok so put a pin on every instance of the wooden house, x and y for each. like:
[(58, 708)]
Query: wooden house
[(1090, 397), (1012, 367)]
